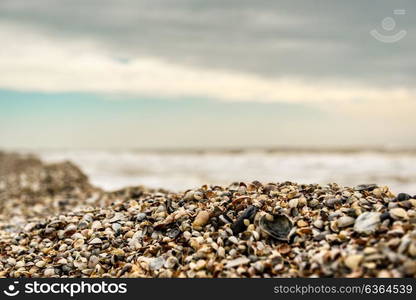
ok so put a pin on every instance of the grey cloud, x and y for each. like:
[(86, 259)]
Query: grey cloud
[(312, 39)]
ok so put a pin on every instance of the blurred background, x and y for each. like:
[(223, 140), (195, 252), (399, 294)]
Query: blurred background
[(180, 93)]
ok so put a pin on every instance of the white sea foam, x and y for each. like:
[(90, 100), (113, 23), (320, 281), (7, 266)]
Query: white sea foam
[(180, 171)]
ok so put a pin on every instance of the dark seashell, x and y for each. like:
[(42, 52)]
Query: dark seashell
[(406, 204), (294, 212), (403, 197), (279, 228), (365, 187), (173, 233), (169, 207), (351, 212), (56, 224), (215, 223), (226, 194), (239, 226), (234, 186), (320, 237), (82, 225), (333, 202), (324, 215), (257, 183), (384, 216), (268, 188), (225, 219), (63, 203)]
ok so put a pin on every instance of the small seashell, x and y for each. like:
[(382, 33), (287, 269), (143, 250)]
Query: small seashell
[(70, 230), (171, 262), (345, 221), (198, 196), (237, 262), (93, 261), (353, 261), (20, 264), (62, 261), (365, 187), (200, 264), (40, 264), (201, 219), (95, 241), (403, 197), (49, 272), (156, 263), (412, 249), (398, 213), (318, 224), (293, 203), (301, 223), (278, 228), (221, 252), (233, 239), (284, 249), (96, 225)]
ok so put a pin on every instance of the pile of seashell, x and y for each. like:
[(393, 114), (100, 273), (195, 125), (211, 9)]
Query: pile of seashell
[(243, 230), (29, 189)]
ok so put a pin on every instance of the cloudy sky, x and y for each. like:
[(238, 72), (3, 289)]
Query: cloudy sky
[(124, 73)]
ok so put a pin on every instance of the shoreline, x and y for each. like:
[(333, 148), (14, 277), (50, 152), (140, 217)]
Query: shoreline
[(233, 150)]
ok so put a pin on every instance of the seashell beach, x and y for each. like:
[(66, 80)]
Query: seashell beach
[(55, 223)]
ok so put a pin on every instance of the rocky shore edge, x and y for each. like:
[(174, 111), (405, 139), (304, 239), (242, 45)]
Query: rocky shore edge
[(54, 223)]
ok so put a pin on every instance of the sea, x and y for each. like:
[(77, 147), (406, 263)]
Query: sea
[(179, 170)]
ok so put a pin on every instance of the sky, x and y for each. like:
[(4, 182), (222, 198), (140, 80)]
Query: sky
[(184, 74)]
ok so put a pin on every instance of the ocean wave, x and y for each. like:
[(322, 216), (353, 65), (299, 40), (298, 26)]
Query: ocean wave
[(182, 170)]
